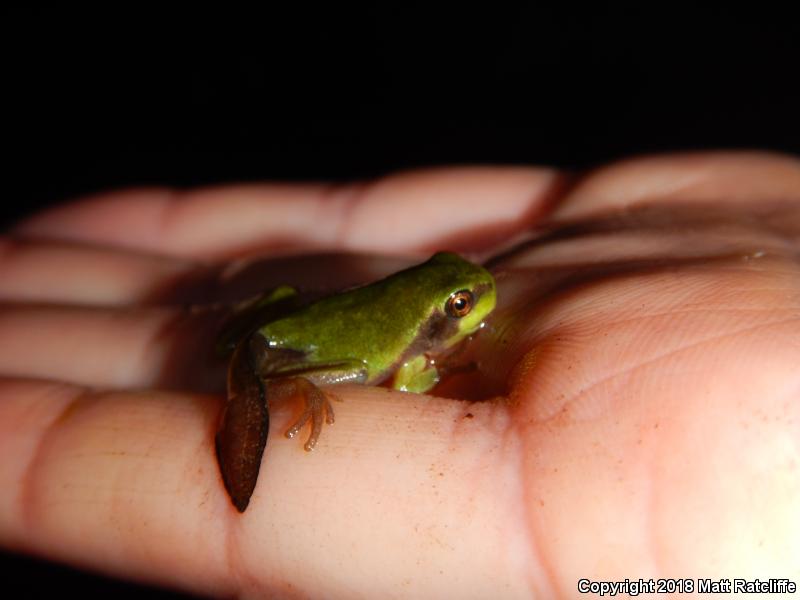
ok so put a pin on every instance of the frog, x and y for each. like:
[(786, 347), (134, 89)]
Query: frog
[(389, 332)]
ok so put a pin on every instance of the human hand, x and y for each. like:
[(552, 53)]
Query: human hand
[(642, 364)]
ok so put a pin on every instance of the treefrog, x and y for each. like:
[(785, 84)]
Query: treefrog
[(387, 331)]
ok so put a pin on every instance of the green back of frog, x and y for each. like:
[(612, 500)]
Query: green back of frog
[(390, 321)]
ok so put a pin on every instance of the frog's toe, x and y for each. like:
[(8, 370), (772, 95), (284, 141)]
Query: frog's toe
[(329, 408), (323, 405), (317, 409), (298, 425)]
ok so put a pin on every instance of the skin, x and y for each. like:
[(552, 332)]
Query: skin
[(645, 424), (391, 329)]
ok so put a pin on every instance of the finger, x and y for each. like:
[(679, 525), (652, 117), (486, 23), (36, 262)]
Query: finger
[(58, 272), (425, 210), (105, 347), (702, 177), (128, 484), (91, 275), (104, 481)]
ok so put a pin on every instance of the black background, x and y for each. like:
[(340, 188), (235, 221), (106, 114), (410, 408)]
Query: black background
[(101, 99)]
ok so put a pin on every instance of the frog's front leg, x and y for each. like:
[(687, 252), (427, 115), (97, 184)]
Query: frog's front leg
[(417, 375)]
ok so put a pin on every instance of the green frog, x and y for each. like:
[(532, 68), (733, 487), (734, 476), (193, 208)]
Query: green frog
[(387, 331)]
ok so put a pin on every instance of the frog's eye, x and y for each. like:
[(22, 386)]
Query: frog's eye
[(459, 304)]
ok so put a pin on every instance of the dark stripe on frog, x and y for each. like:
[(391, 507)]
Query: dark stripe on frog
[(438, 328)]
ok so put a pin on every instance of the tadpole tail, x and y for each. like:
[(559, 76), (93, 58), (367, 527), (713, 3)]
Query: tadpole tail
[(243, 429)]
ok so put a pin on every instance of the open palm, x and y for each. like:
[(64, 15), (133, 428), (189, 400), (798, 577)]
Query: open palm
[(635, 414)]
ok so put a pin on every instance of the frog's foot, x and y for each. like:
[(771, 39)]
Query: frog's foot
[(317, 403)]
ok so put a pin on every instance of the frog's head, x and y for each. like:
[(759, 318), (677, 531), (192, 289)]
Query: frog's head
[(463, 295)]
